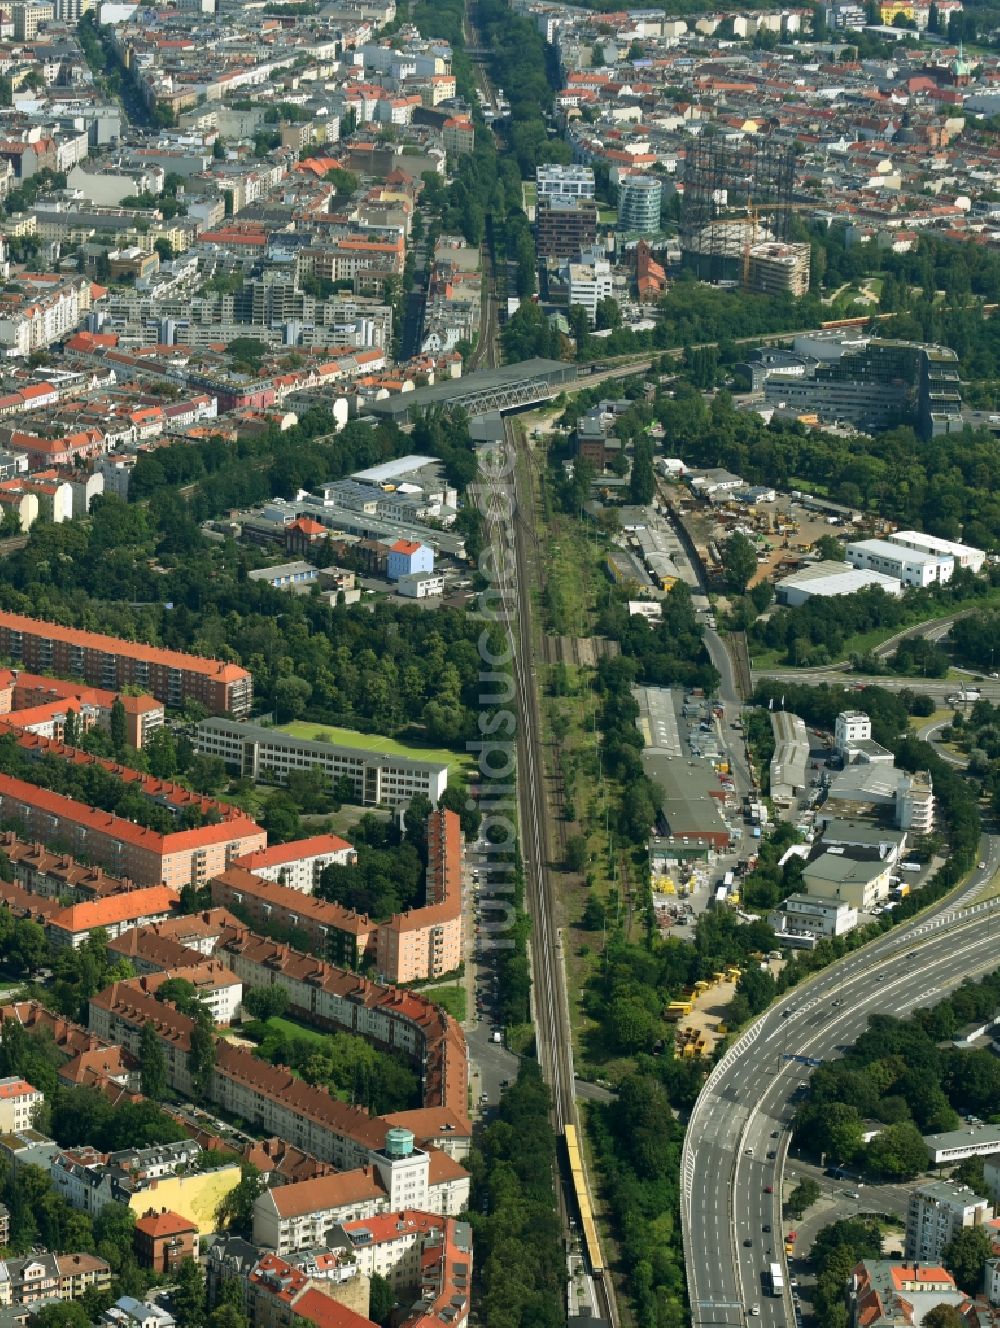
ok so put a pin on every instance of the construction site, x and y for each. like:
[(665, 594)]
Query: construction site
[(737, 212)]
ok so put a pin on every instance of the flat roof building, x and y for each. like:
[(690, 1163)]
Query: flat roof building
[(554, 180), (379, 778), (507, 388), (964, 555), (790, 762), (913, 567), (956, 1145), (831, 578), (691, 794)]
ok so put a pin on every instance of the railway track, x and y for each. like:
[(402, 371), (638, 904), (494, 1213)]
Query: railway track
[(516, 556)]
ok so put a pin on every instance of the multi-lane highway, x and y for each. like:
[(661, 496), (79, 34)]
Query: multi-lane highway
[(738, 1135)]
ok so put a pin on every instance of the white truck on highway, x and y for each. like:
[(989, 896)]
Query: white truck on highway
[(965, 696), (776, 1280)]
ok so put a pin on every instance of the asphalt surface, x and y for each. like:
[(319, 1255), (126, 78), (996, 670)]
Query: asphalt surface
[(745, 1110), (989, 688)]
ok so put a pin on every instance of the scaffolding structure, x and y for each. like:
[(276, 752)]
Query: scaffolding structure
[(736, 195)]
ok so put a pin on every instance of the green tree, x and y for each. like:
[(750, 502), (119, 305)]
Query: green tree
[(945, 1316), (898, 1152), (161, 753), (187, 1300), (227, 1316), (381, 1299), (153, 1064), (576, 853), (965, 1257), (642, 482), (236, 1210), (119, 726), (739, 562), (803, 1196), (201, 1056), (265, 1002)]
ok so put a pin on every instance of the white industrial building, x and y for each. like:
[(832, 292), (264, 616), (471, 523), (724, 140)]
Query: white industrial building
[(963, 554), (914, 567), (831, 578), (813, 916)]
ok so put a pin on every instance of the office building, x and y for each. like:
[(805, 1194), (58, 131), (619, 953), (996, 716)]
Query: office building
[(913, 567), (553, 180), (970, 1141), (110, 662), (564, 226), (639, 200), (877, 386), (963, 555), (379, 779), (813, 917), (936, 1213)]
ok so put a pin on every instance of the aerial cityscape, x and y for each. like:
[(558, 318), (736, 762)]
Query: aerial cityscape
[(499, 664)]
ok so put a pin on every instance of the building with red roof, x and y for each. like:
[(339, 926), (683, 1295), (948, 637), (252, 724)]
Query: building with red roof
[(172, 676), (18, 1104), (299, 863), (164, 1239)]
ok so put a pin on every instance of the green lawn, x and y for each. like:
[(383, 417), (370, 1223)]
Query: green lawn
[(451, 998), (374, 742), (291, 1028)]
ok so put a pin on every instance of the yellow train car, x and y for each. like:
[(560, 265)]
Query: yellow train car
[(587, 1223)]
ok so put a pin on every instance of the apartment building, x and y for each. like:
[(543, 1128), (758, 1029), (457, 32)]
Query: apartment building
[(34, 702), (418, 1253), (590, 282), (936, 1213), (639, 199), (554, 180), (426, 943), (379, 779), (884, 1293), (302, 1216), (123, 848), (48, 309), (172, 676), (164, 1239), (71, 926), (331, 931), (45, 1277), (404, 1021), (18, 1104), (299, 864), (56, 875)]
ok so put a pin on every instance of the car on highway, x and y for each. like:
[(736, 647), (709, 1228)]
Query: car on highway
[(749, 1152), (755, 1310), (982, 866), (747, 1243), (768, 1189), (771, 1155), (766, 1227)]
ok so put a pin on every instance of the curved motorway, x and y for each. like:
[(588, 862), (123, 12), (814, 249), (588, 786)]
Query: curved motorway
[(744, 1111)]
